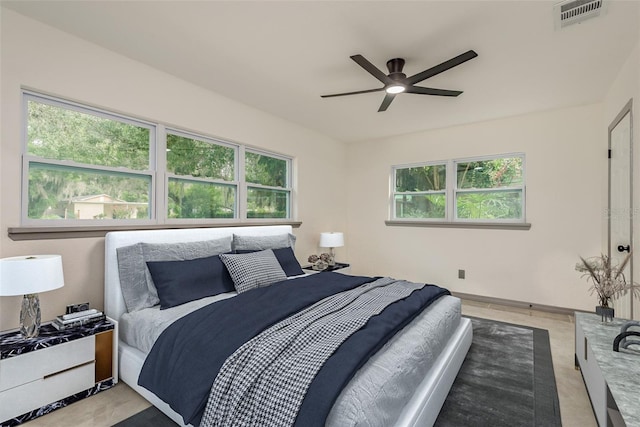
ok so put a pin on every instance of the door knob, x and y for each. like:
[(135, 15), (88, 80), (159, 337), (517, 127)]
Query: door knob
[(622, 248)]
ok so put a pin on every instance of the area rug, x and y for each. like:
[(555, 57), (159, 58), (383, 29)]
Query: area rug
[(506, 379)]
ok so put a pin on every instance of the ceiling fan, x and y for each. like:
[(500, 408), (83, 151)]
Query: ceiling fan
[(397, 82)]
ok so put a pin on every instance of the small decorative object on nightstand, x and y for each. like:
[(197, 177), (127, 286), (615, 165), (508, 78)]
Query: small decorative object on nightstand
[(339, 267), (319, 263), (331, 240), (28, 275)]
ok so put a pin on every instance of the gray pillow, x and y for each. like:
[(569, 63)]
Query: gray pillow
[(136, 282), (260, 243), (253, 270)]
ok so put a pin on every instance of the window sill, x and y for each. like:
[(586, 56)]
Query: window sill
[(42, 233), (448, 224)]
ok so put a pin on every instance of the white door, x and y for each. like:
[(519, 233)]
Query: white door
[(621, 202)]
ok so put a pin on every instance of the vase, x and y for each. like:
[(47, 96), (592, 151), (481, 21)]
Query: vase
[(606, 313)]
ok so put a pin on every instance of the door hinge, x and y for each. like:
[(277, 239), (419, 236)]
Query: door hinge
[(609, 153)]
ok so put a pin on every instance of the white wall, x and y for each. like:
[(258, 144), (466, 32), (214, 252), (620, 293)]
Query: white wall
[(565, 161), (42, 58)]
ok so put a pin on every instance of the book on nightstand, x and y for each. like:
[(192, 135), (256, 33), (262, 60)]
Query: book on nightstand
[(68, 321)]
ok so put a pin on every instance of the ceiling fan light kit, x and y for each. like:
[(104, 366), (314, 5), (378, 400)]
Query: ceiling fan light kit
[(395, 89), (397, 82)]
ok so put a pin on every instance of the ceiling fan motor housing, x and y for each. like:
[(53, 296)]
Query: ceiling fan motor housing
[(395, 67)]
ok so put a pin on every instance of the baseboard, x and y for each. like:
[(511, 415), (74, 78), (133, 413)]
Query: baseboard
[(517, 304)]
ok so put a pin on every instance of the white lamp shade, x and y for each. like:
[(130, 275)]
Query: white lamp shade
[(331, 239), (30, 274)]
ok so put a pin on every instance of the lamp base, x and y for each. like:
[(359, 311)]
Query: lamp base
[(332, 257), (30, 316)]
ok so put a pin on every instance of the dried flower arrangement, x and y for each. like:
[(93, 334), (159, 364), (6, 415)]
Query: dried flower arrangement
[(320, 262), (608, 280)]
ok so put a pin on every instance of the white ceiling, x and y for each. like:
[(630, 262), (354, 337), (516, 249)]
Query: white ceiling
[(280, 56)]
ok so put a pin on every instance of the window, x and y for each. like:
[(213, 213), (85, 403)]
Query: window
[(420, 192), (487, 189), (268, 192), (201, 178), (84, 166), (491, 189)]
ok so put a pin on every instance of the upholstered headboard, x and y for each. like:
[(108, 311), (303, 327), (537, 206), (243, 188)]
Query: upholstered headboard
[(114, 305)]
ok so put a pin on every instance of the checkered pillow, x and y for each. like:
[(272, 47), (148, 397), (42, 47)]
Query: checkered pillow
[(253, 270)]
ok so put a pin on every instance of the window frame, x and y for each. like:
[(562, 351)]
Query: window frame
[(452, 191), (157, 171)]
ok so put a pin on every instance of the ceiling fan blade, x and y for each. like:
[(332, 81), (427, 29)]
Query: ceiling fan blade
[(453, 62), (371, 69), (430, 91), (352, 93), (386, 101)]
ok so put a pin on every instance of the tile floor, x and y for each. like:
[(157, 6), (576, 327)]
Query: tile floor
[(120, 402)]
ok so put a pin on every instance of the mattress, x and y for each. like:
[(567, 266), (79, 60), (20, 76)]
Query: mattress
[(379, 390)]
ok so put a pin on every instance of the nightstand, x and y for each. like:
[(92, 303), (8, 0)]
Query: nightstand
[(55, 369), (339, 267)]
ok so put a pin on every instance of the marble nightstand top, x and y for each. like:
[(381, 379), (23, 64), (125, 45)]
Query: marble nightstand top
[(13, 343), (621, 370)]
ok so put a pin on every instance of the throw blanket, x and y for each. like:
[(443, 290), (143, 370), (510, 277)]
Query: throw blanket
[(265, 380), (186, 358)]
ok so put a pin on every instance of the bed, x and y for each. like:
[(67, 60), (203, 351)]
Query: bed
[(410, 398)]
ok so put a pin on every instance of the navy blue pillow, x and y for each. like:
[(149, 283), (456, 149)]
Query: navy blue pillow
[(179, 282), (286, 258)]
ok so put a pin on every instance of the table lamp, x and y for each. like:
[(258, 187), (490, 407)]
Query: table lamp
[(331, 240), (27, 275)]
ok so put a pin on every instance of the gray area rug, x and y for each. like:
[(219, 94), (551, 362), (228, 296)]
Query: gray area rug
[(506, 379)]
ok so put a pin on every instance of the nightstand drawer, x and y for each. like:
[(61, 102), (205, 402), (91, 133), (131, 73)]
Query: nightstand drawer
[(35, 365), (33, 395)]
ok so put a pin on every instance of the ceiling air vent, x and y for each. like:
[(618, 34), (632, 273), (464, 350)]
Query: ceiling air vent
[(575, 11)]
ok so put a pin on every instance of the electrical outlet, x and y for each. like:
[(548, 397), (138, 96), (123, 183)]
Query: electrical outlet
[(461, 274)]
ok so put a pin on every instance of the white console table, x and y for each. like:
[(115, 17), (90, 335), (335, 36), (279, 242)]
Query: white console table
[(612, 378)]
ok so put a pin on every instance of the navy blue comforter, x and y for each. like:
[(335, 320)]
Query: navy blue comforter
[(187, 356)]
